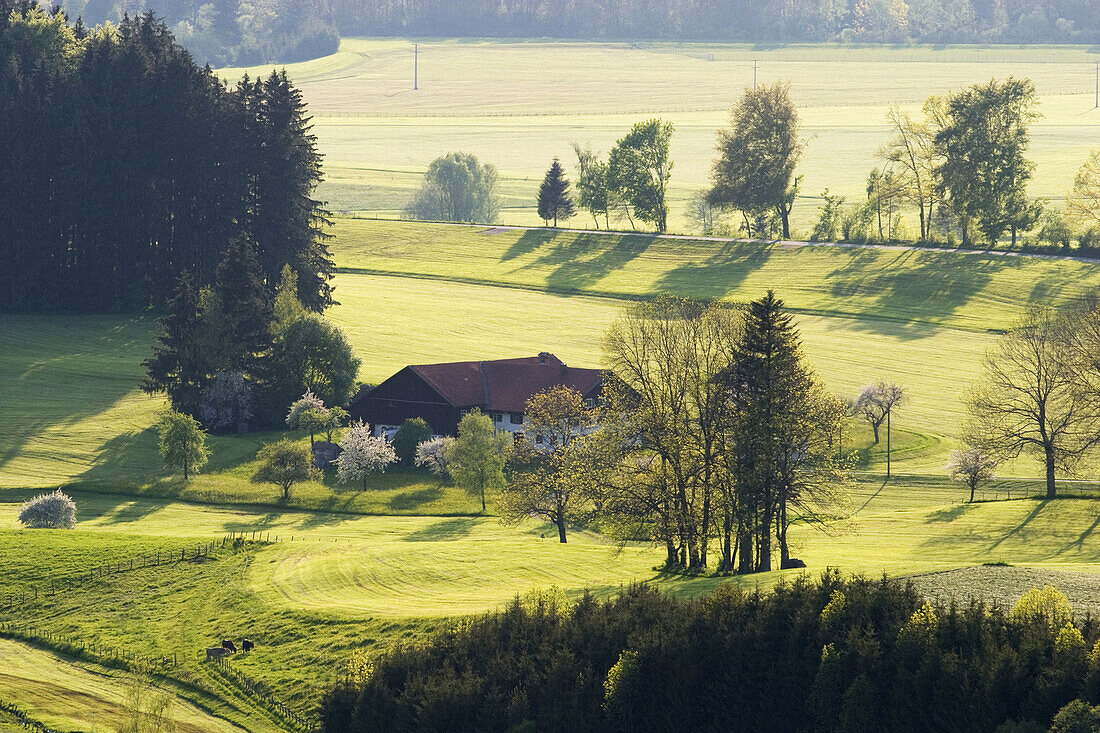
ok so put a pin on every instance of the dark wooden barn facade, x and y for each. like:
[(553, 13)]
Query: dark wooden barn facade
[(442, 393)]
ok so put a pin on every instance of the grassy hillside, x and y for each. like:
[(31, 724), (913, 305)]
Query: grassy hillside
[(346, 582), (518, 104), (413, 293), (69, 695)]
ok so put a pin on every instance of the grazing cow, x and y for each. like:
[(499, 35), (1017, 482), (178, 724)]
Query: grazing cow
[(229, 646), (246, 645), (216, 652)]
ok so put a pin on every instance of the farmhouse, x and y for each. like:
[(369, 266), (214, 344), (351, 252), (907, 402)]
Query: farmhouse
[(442, 393)]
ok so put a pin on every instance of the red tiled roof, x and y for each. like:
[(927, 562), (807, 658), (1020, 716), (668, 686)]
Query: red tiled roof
[(504, 385)]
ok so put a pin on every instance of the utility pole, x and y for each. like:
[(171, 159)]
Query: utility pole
[(416, 66), (754, 63)]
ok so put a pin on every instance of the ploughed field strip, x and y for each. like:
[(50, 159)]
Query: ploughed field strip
[(1004, 585)]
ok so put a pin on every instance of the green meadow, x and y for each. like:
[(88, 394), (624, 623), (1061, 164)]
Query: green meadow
[(518, 104)]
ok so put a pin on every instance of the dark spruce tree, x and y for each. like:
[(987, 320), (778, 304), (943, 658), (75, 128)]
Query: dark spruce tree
[(767, 385), (178, 366), (246, 307), (555, 199)]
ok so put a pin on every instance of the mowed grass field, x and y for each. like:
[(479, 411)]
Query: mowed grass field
[(518, 104), (359, 571)]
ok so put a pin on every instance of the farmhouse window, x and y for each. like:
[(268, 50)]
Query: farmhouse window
[(517, 418)]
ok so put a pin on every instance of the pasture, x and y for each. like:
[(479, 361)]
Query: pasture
[(518, 104)]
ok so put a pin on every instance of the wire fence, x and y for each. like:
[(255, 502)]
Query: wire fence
[(25, 720), (64, 583)]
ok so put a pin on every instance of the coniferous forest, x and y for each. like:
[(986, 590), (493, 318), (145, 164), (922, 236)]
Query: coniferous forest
[(123, 164)]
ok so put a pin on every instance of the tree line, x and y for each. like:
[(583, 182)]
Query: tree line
[(123, 164), (752, 21), (831, 655), (961, 167), (230, 32)]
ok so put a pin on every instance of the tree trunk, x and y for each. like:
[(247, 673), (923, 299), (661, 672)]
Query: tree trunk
[(785, 217), (781, 535), (888, 443), (972, 485), (1014, 236), (744, 546), (1052, 491), (561, 529), (184, 469), (286, 492), (672, 558), (764, 562), (482, 499), (923, 228), (874, 427), (727, 542)]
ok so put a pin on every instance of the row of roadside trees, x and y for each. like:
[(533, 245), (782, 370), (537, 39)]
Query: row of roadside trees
[(961, 164)]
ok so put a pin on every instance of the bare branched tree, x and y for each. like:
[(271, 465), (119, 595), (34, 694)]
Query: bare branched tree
[(1031, 398)]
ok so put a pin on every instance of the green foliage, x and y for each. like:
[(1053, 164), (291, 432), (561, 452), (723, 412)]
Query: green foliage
[(285, 463), (645, 661), (182, 442), (555, 200), (313, 355), (287, 309), (828, 225), (1046, 604), (984, 141), (457, 187), (639, 169), (478, 455), (758, 154), (228, 166), (1076, 717), (411, 434)]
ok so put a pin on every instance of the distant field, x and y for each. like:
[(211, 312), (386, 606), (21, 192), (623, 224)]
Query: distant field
[(518, 104)]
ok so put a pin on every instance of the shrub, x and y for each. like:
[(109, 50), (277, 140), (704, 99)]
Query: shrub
[(408, 437), (1076, 717), (432, 454), (49, 511)]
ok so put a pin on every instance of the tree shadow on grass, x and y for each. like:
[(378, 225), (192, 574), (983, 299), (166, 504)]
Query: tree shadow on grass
[(910, 289), (581, 260), (42, 355), (727, 267), (1039, 507), (409, 500), (448, 529), (949, 514)]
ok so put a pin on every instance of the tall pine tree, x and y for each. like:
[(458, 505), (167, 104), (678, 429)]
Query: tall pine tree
[(178, 365), (555, 199), (246, 306), (767, 386)]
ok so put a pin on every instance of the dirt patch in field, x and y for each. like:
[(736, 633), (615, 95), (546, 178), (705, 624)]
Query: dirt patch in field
[(1005, 585)]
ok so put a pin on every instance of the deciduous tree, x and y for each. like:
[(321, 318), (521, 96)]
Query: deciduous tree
[(1029, 399), (182, 442), (285, 463), (971, 466), (639, 169), (551, 474), (362, 455), (984, 172), (478, 455), (758, 154)]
